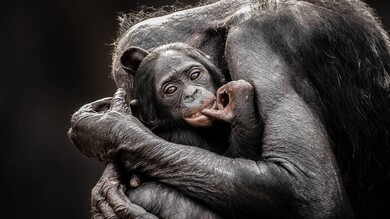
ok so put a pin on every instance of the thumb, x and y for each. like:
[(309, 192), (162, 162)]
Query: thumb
[(218, 114), (118, 102)]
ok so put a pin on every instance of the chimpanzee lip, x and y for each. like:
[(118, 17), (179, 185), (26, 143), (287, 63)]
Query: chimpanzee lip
[(211, 105), (196, 114), (198, 119)]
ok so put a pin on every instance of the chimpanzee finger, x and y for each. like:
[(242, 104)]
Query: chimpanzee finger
[(96, 198), (224, 97), (123, 207), (224, 108), (118, 102), (97, 215), (135, 180), (100, 208), (218, 114), (102, 105), (107, 211), (84, 111), (223, 115), (89, 109)]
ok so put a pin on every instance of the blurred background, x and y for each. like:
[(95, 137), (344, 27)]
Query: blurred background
[(56, 57)]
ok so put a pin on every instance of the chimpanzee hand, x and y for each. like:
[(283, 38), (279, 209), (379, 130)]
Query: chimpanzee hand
[(98, 128), (236, 106), (232, 100), (108, 199)]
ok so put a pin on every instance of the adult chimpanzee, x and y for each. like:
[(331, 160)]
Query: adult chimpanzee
[(173, 85), (320, 72)]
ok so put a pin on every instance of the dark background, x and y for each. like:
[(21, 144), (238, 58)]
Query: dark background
[(55, 57)]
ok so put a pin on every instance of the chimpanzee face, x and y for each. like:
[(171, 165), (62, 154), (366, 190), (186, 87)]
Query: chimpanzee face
[(174, 82), (184, 87)]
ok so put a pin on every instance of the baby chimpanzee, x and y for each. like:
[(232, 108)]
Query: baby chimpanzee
[(180, 95)]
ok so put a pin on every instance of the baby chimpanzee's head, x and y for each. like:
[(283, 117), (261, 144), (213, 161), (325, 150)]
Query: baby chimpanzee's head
[(172, 84)]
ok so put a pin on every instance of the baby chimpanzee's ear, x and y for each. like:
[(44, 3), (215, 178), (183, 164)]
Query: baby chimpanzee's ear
[(131, 58)]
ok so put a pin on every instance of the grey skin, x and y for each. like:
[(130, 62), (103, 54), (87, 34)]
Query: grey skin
[(289, 51)]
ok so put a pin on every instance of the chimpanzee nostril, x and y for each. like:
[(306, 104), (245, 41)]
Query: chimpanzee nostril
[(187, 97), (195, 92), (190, 93)]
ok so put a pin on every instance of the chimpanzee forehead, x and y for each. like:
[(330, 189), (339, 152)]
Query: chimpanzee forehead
[(172, 60), (173, 63)]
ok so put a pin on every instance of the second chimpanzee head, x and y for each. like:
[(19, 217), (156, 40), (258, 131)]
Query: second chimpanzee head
[(172, 84)]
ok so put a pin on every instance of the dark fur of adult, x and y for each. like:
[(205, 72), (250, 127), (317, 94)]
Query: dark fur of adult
[(353, 88)]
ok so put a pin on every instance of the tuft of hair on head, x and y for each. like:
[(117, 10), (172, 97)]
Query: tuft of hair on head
[(127, 20)]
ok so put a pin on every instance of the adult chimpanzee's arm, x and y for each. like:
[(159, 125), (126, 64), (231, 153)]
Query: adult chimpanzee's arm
[(297, 171), (167, 202), (109, 196)]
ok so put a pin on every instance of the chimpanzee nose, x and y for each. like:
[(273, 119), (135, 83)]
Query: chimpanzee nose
[(191, 93)]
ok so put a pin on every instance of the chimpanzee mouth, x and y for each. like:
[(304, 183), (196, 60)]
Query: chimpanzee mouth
[(211, 105), (196, 114), (198, 119)]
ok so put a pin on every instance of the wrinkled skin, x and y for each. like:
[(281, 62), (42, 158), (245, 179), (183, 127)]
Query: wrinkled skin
[(320, 72)]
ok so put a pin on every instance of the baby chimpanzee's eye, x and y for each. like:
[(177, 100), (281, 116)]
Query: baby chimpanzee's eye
[(194, 75), (170, 89)]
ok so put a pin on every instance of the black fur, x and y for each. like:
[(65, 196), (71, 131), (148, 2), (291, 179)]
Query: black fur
[(340, 48), (352, 81)]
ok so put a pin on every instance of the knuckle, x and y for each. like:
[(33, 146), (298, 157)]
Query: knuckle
[(95, 190), (122, 211), (71, 134), (243, 83), (76, 117), (96, 202), (97, 216), (249, 87), (87, 106), (108, 185)]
